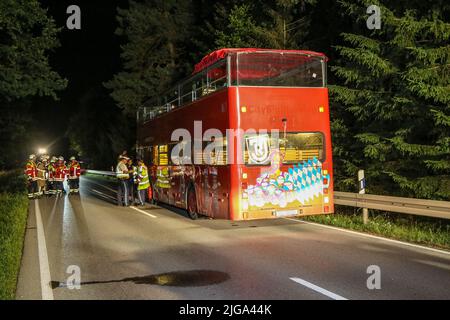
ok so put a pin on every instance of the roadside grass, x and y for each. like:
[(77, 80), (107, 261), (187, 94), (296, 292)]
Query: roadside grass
[(13, 220), (414, 229)]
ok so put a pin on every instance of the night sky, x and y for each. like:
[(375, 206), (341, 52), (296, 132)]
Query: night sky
[(86, 57)]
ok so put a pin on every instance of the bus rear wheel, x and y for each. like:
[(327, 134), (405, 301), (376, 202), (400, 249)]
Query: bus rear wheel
[(192, 204)]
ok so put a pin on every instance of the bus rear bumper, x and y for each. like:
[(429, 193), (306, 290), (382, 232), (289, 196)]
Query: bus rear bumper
[(286, 212)]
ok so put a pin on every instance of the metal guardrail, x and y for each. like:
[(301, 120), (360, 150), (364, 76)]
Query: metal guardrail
[(102, 173), (429, 208)]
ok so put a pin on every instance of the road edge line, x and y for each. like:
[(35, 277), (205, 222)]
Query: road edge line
[(372, 236), (44, 268)]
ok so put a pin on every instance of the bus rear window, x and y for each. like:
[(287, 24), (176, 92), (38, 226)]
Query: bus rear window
[(296, 147), (279, 70)]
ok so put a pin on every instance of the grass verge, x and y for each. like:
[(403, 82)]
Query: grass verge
[(414, 229), (13, 220)]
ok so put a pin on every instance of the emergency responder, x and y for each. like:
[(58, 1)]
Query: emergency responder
[(60, 176), (31, 172), (51, 168), (132, 170), (123, 177), (74, 176), (143, 182), (41, 175)]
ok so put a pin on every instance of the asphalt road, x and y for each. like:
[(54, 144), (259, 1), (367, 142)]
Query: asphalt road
[(157, 253)]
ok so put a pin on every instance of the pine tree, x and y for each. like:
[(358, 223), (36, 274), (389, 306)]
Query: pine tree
[(264, 24), (27, 37), (155, 33), (392, 109)]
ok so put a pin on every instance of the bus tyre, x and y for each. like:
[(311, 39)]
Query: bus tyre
[(192, 203)]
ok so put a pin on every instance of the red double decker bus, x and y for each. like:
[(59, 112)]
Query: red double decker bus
[(247, 136)]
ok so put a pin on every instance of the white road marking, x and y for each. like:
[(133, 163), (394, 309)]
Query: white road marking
[(103, 194), (46, 289), (318, 289), (131, 207), (143, 212), (103, 186), (372, 236)]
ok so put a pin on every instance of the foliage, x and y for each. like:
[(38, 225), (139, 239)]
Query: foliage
[(433, 233), (13, 217), (156, 33), (392, 102), (27, 35)]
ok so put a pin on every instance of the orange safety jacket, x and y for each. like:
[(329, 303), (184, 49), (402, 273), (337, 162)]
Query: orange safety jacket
[(31, 170), (74, 170), (60, 172)]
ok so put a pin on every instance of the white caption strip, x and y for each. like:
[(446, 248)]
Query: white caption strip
[(318, 289), (47, 292)]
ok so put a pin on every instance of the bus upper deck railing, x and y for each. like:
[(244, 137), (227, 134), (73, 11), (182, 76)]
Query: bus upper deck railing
[(273, 69)]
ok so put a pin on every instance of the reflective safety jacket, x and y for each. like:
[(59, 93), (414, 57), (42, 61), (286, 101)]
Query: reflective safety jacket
[(122, 171), (41, 171), (60, 172), (31, 170), (74, 170), (142, 178), (51, 168)]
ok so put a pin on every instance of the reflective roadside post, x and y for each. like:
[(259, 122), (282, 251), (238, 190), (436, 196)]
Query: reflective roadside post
[(362, 190)]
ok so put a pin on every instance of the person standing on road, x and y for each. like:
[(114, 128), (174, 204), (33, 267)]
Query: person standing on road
[(31, 172), (132, 170), (143, 182), (51, 169), (74, 176), (60, 176), (122, 176), (41, 175)]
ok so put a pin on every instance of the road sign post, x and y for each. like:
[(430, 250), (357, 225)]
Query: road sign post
[(362, 190)]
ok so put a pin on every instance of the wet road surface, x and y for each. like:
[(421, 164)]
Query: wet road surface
[(157, 253)]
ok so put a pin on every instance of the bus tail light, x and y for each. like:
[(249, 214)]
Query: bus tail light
[(326, 209), (325, 181), (244, 185), (326, 200), (325, 191)]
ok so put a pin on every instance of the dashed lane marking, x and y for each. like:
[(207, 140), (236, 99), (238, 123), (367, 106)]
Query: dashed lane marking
[(318, 289), (143, 212)]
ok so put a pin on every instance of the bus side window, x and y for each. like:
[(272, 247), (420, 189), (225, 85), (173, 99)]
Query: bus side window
[(163, 158), (155, 158)]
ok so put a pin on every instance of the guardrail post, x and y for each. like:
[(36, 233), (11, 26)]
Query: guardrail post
[(362, 190)]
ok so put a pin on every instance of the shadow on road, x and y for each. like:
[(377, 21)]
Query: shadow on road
[(192, 278)]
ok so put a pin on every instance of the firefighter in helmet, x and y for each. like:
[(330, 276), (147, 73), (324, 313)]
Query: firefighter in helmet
[(60, 175), (31, 173), (74, 176)]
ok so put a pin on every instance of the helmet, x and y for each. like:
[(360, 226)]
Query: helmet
[(32, 156), (61, 158), (72, 158)]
